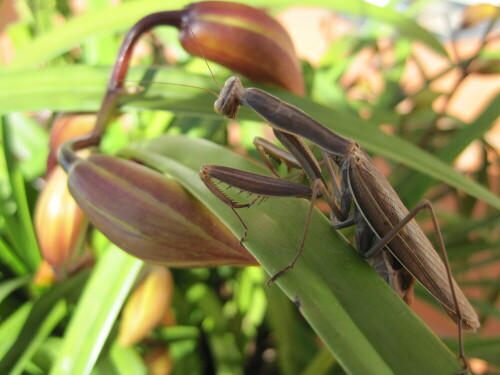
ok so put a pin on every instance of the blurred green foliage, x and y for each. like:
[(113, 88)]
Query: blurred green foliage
[(228, 321)]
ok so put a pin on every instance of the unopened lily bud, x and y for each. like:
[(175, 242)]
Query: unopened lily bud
[(59, 222), (244, 39), (146, 306), (44, 275), (66, 127), (150, 216), (159, 361), (237, 36)]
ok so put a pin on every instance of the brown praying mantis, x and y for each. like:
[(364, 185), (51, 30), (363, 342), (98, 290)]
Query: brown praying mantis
[(386, 232)]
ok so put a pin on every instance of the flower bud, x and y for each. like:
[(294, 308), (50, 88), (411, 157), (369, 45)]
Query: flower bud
[(244, 39), (66, 127), (159, 361), (59, 222), (45, 275), (150, 216), (146, 306)]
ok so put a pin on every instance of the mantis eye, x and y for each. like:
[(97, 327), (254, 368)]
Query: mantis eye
[(228, 103)]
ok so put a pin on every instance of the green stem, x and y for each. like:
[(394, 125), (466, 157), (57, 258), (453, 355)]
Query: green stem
[(67, 156)]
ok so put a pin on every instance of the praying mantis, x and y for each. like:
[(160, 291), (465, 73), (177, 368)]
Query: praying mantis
[(386, 232)]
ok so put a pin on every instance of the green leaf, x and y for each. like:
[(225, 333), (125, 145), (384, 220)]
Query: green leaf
[(113, 19), (83, 88), (96, 312), (7, 287), (10, 258), (226, 356), (47, 353), (29, 142), (485, 348), (51, 319), (11, 326), (20, 230), (127, 360), (80, 88), (45, 313), (287, 333), (322, 363), (91, 24), (367, 327)]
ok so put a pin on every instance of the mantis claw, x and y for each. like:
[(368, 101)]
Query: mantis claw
[(279, 273), (244, 237)]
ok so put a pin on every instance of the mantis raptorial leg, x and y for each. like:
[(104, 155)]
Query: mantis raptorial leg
[(266, 148)]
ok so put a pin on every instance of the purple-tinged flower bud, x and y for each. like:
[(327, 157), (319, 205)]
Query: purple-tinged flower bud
[(150, 216), (244, 39), (237, 36)]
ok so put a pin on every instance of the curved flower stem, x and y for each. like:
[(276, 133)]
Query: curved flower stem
[(120, 69), (67, 156)]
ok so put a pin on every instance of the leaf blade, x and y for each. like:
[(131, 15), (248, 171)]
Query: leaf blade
[(334, 305), (90, 324), (84, 87)]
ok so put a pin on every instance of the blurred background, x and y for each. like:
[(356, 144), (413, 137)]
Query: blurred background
[(439, 92)]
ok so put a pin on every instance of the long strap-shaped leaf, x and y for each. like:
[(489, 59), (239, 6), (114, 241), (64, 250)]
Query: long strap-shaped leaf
[(113, 19), (96, 312), (367, 327), (83, 86)]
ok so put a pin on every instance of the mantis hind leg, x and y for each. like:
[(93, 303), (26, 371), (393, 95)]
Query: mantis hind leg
[(384, 262), (379, 246)]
